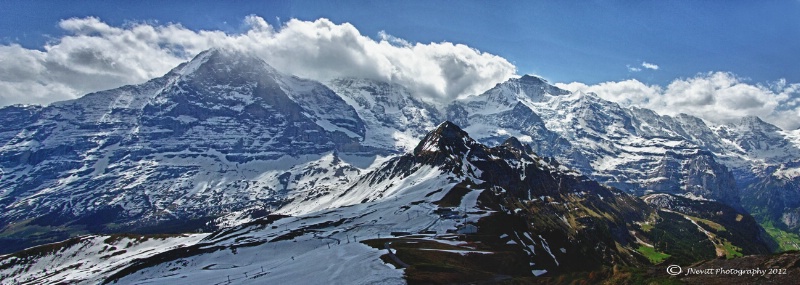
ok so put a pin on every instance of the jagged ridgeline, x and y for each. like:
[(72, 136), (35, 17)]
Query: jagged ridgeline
[(451, 210), (166, 156), (225, 139)]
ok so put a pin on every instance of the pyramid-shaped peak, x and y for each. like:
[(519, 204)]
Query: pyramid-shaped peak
[(532, 79), (225, 53), (534, 86), (755, 123), (446, 137), (448, 125), (229, 55), (513, 142), (224, 60), (450, 130), (751, 120)]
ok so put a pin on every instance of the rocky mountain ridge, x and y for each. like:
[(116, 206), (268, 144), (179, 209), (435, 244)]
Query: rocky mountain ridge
[(633, 149), (451, 210), (214, 135), (226, 138)]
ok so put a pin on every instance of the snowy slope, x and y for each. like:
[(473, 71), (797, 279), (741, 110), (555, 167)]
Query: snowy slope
[(87, 259), (256, 245), (225, 138), (216, 135), (630, 148), (318, 248), (633, 149), (394, 118), (542, 213)]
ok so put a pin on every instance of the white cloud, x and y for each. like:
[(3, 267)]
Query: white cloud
[(94, 56), (392, 39), (718, 97), (649, 65), (644, 64)]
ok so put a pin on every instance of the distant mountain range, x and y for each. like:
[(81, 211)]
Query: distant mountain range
[(226, 142), (450, 210)]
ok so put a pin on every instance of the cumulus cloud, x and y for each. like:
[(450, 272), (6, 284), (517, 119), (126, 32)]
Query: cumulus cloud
[(649, 65), (718, 97), (392, 39), (633, 68), (93, 56)]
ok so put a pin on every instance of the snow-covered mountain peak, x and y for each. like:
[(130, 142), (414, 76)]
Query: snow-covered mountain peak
[(225, 132), (220, 65), (532, 79), (535, 87), (225, 62), (626, 147), (220, 133), (754, 123), (447, 137), (506, 96)]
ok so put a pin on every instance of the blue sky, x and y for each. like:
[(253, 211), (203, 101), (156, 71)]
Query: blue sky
[(733, 58), (564, 41)]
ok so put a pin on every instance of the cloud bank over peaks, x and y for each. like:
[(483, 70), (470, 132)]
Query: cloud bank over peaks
[(93, 56), (718, 97)]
